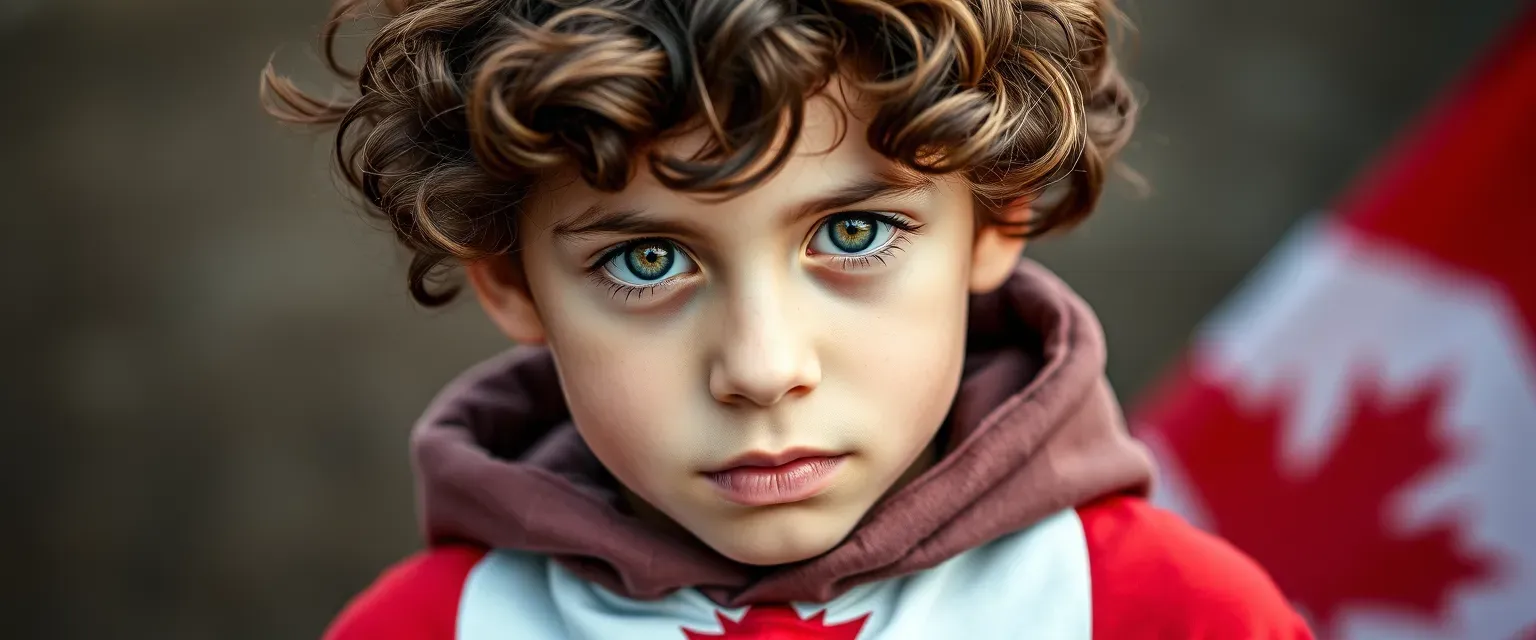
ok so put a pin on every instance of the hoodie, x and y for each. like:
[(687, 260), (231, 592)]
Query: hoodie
[(1031, 521)]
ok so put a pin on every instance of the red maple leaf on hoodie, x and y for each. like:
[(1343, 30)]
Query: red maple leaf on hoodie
[(781, 623), (1327, 537)]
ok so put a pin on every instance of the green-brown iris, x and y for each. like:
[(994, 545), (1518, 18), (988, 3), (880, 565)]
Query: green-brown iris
[(853, 233), (650, 260)]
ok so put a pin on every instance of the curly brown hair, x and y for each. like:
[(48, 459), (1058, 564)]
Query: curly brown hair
[(462, 104)]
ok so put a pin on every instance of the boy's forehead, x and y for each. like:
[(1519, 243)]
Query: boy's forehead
[(830, 157)]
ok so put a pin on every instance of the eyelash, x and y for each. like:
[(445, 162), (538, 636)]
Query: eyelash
[(595, 273), (848, 263), (903, 229)]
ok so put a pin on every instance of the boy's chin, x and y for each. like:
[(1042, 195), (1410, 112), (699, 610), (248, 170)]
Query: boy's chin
[(779, 536)]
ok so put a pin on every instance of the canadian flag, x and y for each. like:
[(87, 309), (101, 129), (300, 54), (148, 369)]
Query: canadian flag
[(1361, 417)]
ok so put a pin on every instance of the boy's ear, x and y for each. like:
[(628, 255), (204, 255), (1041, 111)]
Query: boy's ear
[(995, 253), (503, 292)]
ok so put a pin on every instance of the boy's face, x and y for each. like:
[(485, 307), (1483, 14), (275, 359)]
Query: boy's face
[(759, 370)]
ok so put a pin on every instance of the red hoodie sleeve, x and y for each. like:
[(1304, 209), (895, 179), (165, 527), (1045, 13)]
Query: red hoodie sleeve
[(417, 599), (1156, 576)]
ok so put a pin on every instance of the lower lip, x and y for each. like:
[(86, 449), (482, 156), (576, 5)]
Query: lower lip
[(792, 481)]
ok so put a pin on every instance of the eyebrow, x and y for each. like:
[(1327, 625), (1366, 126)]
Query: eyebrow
[(597, 219), (886, 184)]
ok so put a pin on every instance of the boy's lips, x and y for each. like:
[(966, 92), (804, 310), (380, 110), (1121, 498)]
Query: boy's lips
[(760, 459), (759, 479)]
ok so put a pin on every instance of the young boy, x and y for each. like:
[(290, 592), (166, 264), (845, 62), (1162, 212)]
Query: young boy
[(783, 373)]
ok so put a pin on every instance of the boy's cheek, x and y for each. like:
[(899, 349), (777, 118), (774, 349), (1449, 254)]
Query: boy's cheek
[(623, 389)]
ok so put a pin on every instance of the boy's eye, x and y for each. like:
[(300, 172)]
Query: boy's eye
[(852, 234), (646, 262)]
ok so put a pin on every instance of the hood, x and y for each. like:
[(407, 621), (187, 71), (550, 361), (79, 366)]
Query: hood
[(1034, 429)]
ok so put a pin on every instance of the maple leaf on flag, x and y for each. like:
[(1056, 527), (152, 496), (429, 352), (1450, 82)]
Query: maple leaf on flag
[(1327, 537), (781, 623)]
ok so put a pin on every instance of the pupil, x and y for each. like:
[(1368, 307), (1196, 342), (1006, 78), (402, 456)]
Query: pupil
[(650, 261)]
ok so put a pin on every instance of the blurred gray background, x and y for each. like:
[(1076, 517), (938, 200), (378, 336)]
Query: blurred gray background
[(212, 363)]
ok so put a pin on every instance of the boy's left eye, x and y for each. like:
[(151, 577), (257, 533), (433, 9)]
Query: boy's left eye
[(852, 234), (647, 262)]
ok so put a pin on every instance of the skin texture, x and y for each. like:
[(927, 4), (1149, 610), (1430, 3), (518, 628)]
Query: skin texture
[(765, 339)]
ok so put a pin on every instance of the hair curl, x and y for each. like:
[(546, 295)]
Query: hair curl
[(461, 104)]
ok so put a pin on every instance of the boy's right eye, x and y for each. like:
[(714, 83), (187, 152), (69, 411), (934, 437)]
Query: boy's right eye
[(643, 263)]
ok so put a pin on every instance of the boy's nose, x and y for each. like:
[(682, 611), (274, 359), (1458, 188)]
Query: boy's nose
[(764, 354)]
